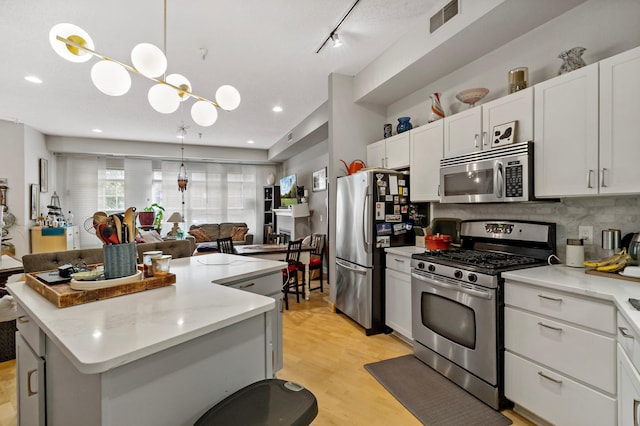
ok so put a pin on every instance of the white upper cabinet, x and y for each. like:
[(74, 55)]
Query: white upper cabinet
[(426, 151), (587, 128), (472, 129), (566, 128), (620, 123), (390, 153)]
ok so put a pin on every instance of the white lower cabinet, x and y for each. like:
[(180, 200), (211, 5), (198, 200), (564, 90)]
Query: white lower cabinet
[(30, 383), (628, 391), (560, 355), (269, 285), (398, 294)]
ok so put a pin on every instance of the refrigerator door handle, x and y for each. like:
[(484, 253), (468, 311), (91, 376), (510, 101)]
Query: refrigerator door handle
[(351, 268), (365, 217)]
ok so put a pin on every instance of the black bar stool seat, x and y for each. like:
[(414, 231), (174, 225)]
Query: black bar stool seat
[(266, 402)]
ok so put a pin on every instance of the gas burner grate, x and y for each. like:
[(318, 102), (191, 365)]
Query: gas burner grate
[(485, 259)]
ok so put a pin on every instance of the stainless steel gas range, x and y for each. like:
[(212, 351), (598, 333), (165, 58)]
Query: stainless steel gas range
[(458, 305)]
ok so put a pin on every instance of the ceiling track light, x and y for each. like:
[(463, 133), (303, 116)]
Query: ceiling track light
[(333, 35), (110, 76)]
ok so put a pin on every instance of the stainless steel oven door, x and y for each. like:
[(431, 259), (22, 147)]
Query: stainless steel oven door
[(457, 320)]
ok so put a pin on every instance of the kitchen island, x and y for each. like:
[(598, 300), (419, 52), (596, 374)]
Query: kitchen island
[(160, 357)]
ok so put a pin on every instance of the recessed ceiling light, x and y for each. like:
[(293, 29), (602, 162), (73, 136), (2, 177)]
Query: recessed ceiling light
[(277, 109), (96, 130), (33, 79), (250, 141)]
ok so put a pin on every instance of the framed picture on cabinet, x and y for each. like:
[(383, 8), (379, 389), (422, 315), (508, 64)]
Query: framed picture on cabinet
[(320, 180), (504, 134), (44, 175), (35, 201)]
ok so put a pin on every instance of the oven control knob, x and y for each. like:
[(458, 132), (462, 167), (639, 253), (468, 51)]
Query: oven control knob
[(431, 268), (458, 274), (473, 278), (420, 265)]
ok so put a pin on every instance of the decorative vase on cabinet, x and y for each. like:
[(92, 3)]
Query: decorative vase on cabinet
[(572, 60), (404, 124), (436, 108)]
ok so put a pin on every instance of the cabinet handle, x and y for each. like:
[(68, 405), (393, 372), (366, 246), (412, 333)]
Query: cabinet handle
[(635, 412), (23, 319), (602, 184), (549, 298), (541, 374), (623, 331), (247, 285), (550, 327), (30, 391), (476, 140), (438, 190), (589, 173), (484, 138), (398, 260)]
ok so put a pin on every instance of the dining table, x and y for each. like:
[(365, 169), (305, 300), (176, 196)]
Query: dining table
[(9, 266), (278, 252)]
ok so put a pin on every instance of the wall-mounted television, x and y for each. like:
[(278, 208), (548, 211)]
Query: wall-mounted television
[(288, 191)]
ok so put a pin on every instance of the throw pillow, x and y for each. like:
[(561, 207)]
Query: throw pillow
[(200, 235), (151, 236), (238, 233)]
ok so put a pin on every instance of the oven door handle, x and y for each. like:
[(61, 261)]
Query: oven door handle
[(436, 282)]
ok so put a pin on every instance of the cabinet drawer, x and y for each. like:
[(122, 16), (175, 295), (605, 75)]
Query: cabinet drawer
[(569, 349), (555, 398), (265, 285), (587, 312), (30, 331), (399, 263)]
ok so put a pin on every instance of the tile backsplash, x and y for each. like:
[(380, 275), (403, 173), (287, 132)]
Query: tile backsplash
[(621, 212)]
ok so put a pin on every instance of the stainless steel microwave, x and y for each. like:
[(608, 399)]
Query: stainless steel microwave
[(498, 175)]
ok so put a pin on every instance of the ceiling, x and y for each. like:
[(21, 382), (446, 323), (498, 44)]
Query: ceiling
[(265, 48)]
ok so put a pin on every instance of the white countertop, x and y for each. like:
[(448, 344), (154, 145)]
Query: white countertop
[(405, 250), (574, 280), (101, 335)]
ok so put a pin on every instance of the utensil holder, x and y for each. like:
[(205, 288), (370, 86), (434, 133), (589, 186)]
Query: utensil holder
[(119, 260)]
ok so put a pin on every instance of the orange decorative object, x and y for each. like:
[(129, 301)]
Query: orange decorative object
[(354, 166)]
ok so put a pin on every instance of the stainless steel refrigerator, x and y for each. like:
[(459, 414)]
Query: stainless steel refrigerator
[(371, 214)]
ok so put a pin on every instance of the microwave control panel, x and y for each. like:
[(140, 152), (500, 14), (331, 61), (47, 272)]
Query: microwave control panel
[(514, 186)]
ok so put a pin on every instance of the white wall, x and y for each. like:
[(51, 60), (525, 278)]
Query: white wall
[(21, 148), (604, 28), (303, 165)]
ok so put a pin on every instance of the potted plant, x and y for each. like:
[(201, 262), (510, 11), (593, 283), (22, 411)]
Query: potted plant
[(151, 216)]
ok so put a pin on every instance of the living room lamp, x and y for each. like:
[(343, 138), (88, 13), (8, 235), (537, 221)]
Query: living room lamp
[(175, 218), (110, 76)]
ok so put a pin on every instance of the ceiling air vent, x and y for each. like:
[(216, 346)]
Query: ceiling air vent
[(442, 16)]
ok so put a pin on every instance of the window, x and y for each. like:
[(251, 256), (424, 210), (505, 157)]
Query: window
[(113, 197)]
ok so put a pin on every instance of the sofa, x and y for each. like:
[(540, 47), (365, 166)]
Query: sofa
[(206, 234), (51, 260)]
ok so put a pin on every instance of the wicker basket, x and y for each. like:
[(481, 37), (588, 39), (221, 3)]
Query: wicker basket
[(8, 340)]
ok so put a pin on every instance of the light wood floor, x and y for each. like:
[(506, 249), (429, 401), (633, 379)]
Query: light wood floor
[(324, 352)]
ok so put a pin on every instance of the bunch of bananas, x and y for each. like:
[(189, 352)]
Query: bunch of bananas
[(613, 263)]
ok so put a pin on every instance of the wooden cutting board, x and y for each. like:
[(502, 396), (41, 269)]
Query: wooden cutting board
[(611, 275), (62, 295)]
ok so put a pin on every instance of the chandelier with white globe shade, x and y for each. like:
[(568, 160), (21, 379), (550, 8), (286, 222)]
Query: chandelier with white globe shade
[(112, 77)]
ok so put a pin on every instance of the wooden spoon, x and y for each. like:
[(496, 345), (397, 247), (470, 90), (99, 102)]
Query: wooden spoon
[(129, 220), (100, 217), (117, 223)]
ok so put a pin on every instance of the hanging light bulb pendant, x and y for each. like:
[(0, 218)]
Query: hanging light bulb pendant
[(183, 179)]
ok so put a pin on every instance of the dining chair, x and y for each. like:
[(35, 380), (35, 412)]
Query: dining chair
[(290, 274), (225, 245), (318, 241), (277, 239)]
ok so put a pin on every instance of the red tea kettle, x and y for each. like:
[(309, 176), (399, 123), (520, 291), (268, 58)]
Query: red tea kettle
[(354, 166)]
